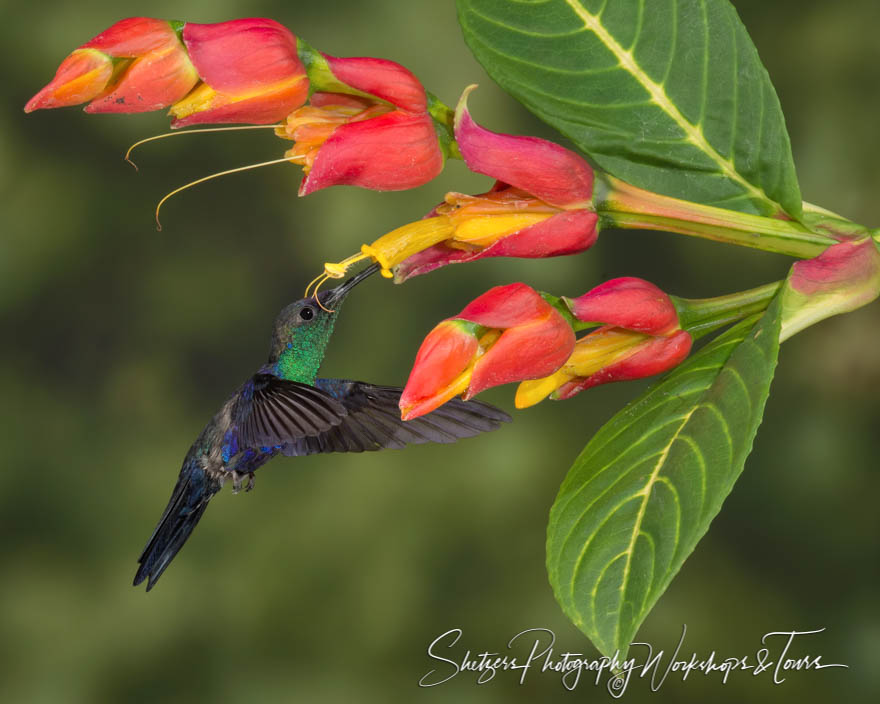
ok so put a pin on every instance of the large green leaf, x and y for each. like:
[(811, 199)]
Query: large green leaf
[(669, 95), (644, 490)]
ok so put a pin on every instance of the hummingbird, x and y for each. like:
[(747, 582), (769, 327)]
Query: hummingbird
[(286, 409)]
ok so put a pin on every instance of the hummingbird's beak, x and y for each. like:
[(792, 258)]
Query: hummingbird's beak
[(334, 297)]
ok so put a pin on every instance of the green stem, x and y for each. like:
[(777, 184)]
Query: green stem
[(700, 316), (563, 310), (620, 204), (444, 125), (321, 78)]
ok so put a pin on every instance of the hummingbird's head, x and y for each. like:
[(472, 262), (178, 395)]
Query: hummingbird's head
[(303, 328)]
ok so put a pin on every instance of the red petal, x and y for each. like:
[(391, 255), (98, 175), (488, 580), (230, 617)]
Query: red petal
[(838, 266), (656, 355), (506, 306), (524, 352), (549, 172), (385, 79), (392, 152), (569, 232), (627, 302), (432, 258), (263, 109), (67, 88), (241, 56), (133, 37), (444, 354), (152, 82)]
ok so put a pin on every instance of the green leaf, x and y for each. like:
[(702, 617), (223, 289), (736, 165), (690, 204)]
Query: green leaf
[(669, 95), (645, 488)]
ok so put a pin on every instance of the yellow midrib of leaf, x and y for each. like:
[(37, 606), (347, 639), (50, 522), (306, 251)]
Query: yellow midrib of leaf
[(646, 496), (693, 133)]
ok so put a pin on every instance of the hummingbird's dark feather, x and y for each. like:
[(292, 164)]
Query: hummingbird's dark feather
[(373, 421), (280, 411), (188, 502)]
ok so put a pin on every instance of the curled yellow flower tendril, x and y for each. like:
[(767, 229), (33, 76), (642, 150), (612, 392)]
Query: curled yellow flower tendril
[(332, 270), (318, 300), (319, 279), (208, 178), (178, 133)]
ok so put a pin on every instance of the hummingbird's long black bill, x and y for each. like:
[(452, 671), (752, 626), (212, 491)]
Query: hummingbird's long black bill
[(334, 296)]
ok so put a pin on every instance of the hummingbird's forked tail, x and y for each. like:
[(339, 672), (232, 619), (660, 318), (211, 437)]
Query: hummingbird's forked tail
[(189, 500)]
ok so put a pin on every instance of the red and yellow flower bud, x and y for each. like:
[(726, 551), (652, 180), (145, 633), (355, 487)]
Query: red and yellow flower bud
[(250, 73), (640, 336), (627, 302), (846, 276), (137, 65), (508, 334), (378, 134), (244, 70), (81, 77)]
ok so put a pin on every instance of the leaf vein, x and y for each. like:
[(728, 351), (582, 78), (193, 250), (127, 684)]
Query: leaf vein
[(646, 494), (578, 563), (658, 93)]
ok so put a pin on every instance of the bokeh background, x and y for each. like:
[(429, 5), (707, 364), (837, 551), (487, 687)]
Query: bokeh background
[(328, 582)]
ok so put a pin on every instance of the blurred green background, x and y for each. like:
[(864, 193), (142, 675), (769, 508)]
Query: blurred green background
[(328, 582)]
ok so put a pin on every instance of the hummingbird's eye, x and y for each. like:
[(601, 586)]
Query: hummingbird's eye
[(307, 313)]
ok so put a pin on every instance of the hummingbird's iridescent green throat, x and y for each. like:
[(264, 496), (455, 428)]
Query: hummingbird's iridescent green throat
[(303, 330)]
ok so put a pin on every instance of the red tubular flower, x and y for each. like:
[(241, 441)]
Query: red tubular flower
[(510, 333), (533, 176), (540, 206), (137, 65), (640, 337), (250, 73), (377, 134)]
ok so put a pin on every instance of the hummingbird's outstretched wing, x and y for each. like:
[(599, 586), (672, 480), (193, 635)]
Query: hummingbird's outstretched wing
[(267, 412), (373, 421), (279, 411)]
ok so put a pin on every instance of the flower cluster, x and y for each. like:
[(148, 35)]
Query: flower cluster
[(366, 124), (639, 336), (507, 334), (512, 333)]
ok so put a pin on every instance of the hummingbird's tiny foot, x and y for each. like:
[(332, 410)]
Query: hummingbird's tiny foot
[(238, 480)]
